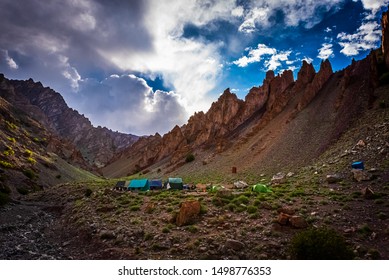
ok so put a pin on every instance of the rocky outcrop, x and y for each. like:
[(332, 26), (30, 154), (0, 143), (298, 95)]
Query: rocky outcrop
[(97, 145), (385, 37), (316, 85)]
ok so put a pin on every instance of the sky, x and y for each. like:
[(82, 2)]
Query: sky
[(144, 66)]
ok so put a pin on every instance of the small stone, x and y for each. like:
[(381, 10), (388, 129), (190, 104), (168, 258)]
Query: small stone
[(367, 193), (234, 245)]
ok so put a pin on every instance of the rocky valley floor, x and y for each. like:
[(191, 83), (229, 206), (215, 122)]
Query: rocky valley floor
[(92, 221)]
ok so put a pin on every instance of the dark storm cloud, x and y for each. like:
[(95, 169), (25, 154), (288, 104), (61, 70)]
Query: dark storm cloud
[(127, 103), (80, 30)]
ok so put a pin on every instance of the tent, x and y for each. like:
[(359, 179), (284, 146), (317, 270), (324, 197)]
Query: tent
[(216, 188), (120, 185), (155, 184), (358, 165), (139, 185), (261, 188), (175, 183)]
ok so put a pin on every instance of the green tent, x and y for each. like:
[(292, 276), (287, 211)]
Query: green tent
[(139, 185), (261, 188), (216, 188), (175, 183)]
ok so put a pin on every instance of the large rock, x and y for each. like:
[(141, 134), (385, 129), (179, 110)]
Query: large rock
[(298, 222), (316, 85), (189, 211), (361, 175)]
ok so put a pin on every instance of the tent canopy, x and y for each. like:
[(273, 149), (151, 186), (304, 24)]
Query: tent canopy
[(155, 184), (261, 188), (139, 184), (175, 183)]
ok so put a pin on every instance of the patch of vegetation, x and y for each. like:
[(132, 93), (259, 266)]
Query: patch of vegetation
[(320, 244), (88, 192), (242, 199), (22, 190), (4, 199), (29, 174), (8, 151), (6, 164), (192, 229), (31, 160), (11, 139), (364, 230), (251, 209), (28, 153), (135, 208), (10, 126), (189, 158)]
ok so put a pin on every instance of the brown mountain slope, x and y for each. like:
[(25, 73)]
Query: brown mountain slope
[(97, 145), (282, 124), (33, 158)]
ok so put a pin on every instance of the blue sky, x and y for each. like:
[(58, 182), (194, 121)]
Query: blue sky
[(143, 66)]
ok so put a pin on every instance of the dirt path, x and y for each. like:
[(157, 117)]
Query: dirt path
[(24, 231)]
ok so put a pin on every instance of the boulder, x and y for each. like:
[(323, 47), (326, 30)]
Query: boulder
[(361, 175), (240, 185), (277, 179), (189, 211), (283, 219), (298, 222), (333, 178)]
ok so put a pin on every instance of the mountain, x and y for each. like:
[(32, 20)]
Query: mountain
[(96, 145), (281, 124)]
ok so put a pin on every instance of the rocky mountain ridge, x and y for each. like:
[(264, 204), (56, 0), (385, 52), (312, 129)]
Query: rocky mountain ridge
[(96, 145)]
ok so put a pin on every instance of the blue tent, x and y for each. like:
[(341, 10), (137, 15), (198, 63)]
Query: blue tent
[(155, 184), (139, 185), (176, 183)]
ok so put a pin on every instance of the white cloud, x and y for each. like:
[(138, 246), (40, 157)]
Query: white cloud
[(374, 5), (308, 60), (366, 37), (326, 51), (9, 60), (254, 17), (260, 13), (128, 103), (255, 55), (276, 59), (327, 30)]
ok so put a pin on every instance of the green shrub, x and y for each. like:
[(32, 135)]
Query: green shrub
[(88, 192), (22, 190), (28, 153), (251, 209), (6, 164), (4, 199), (135, 208), (11, 139), (192, 229), (29, 173), (189, 158), (10, 125), (242, 199), (320, 244), (31, 160)]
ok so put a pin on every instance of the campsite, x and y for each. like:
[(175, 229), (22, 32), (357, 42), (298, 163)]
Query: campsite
[(220, 221)]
